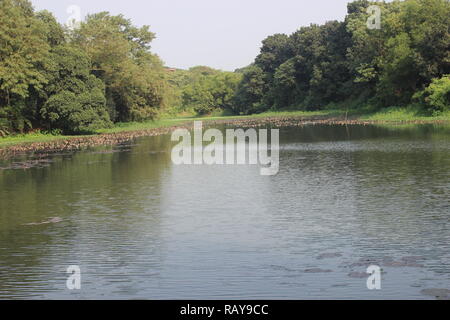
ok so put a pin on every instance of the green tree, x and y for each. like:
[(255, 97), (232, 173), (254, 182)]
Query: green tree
[(119, 51), (436, 97), (346, 63), (23, 52), (76, 101), (211, 91), (251, 91)]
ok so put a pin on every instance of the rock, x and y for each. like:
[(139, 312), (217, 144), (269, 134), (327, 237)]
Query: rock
[(437, 293), (358, 275), (317, 270), (412, 259), (395, 264), (365, 262), (340, 285), (329, 255), (402, 264), (282, 268)]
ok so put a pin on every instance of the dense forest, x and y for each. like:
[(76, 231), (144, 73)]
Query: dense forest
[(202, 90), (77, 80), (348, 65)]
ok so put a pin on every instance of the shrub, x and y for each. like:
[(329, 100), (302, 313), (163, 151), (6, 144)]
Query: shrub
[(76, 102), (436, 97), (77, 113)]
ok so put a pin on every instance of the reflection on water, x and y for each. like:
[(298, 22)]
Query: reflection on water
[(142, 228)]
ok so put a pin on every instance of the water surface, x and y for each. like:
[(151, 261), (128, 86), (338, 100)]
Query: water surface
[(142, 228)]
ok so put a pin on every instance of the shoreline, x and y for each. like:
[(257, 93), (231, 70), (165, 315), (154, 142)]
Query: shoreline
[(120, 135)]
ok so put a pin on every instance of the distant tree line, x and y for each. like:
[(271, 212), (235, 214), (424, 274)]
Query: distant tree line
[(348, 65), (202, 90)]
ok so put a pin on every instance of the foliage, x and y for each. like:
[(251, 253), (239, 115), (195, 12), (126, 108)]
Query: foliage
[(23, 52), (104, 72), (75, 80), (251, 91), (202, 90), (76, 100), (436, 97), (322, 65), (120, 56), (210, 91)]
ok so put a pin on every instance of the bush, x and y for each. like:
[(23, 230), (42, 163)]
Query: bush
[(76, 102), (77, 113), (13, 119), (436, 97), (211, 92)]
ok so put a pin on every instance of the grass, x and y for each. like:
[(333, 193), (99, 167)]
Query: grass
[(404, 114), (393, 114), (325, 113), (29, 138), (117, 128), (135, 126)]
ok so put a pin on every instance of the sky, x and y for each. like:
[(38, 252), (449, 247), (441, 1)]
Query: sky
[(223, 34)]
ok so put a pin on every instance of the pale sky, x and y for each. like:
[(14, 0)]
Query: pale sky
[(223, 34)]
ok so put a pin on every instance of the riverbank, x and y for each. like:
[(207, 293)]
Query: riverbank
[(120, 133)]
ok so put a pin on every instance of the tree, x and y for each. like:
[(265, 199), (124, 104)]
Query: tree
[(23, 53), (436, 97), (119, 51), (251, 91), (76, 102), (211, 91), (274, 51), (339, 62)]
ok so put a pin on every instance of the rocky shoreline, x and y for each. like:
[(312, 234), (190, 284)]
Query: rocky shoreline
[(79, 143)]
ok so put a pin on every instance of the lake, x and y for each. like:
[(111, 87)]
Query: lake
[(140, 227)]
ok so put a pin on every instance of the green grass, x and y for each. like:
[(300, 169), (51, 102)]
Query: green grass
[(386, 115), (268, 114), (29, 138), (403, 114), (136, 126)]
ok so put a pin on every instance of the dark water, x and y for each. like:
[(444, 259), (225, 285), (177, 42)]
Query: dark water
[(142, 228)]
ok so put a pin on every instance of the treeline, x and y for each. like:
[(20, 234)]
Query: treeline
[(78, 80), (202, 90), (102, 72), (348, 65)]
